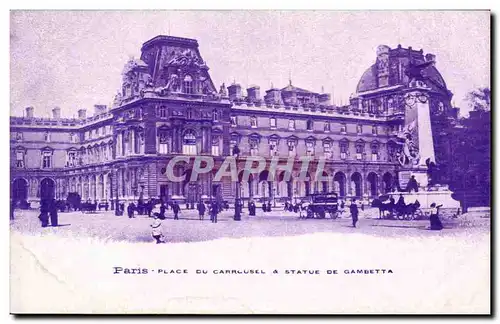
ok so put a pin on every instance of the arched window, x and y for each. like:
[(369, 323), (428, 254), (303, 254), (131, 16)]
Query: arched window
[(163, 141), (188, 84), (47, 158), (189, 143)]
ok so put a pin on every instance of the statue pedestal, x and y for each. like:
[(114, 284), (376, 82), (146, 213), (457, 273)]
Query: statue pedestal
[(420, 175)]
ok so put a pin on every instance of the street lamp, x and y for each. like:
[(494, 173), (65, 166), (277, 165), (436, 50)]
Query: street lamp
[(274, 197), (117, 203), (237, 211)]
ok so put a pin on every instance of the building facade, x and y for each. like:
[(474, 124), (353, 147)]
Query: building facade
[(169, 106)]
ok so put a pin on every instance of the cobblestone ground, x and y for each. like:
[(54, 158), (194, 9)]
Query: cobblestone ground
[(107, 226)]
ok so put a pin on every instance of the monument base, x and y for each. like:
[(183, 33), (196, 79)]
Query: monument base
[(440, 195)]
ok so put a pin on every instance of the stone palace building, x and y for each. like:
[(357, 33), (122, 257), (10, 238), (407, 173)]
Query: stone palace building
[(169, 105)]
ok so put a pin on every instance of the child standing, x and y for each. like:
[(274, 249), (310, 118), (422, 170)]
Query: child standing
[(156, 233)]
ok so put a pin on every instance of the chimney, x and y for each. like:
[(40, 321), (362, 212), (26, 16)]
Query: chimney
[(234, 91), (253, 93), (30, 112), (82, 113), (430, 57), (100, 109), (56, 113)]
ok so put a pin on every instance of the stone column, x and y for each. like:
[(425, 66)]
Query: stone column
[(105, 186)]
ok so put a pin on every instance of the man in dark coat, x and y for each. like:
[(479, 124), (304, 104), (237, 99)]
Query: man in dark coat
[(130, 210), (201, 210), (53, 213), (163, 208), (354, 212), (251, 208), (412, 184), (269, 206), (176, 209), (214, 210), (44, 213)]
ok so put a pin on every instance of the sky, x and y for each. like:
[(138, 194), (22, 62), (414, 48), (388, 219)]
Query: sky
[(74, 59)]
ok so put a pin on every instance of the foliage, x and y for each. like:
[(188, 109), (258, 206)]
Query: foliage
[(479, 99)]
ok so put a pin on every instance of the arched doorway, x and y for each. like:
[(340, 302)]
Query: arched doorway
[(265, 187), (47, 189), (19, 190), (388, 181), (339, 181), (324, 183), (372, 184), (356, 184), (285, 185)]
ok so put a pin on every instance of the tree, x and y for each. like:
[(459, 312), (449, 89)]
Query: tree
[(479, 99)]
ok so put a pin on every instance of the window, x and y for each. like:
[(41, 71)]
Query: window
[(87, 135), (105, 155), (309, 148), (188, 84), (162, 142), (327, 127), (253, 122), (374, 152), (272, 122), (71, 159), (119, 143), (327, 149), (162, 112), (101, 130), (254, 147), (189, 143), (189, 114), (108, 130), (343, 150), (343, 128), (46, 159), (232, 144), (291, 124), (359, 129), (292, 148), (215, 116), (47, 137), (20, 159), (309, 125), (391, 151), (18, 136), (374, 130), (359, 151), (273, 147), (72, 137), (215, 146), (234, 121)]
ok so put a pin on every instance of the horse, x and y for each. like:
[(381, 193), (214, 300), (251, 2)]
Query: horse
[(383, 207)]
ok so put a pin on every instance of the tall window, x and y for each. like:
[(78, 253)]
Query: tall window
[(272, 122), (87, 135), (374, 130), (327, 127), (215, 116), (374, 152), (254, 147), (309, 125), (343, 128), (232, 144), (72, 137), (119, 143), (327, 149), (188, 84), (234, 121), (46, 137), (310, 148), (18, 136), (46, 159), (359, 129), (71, 158), (253, 122), (215, 146), (292, 148), (273, 147), (162, 112), (189, 114), (291, 124), (360, 147), (20, 158), (162, 142), (189, 143), (343, 150)]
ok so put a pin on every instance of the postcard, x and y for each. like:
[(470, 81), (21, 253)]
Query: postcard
[(250, 162)]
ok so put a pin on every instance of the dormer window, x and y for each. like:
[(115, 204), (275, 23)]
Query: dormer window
[(188, 84)]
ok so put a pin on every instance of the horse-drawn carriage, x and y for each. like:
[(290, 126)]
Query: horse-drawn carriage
[(322, 204), (388, 208)]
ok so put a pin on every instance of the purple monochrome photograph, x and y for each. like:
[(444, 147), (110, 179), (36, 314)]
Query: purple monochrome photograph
[(250, 162)]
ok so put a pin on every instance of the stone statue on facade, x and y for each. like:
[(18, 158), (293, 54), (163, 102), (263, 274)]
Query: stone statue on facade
[(409, 154), (223, 90)]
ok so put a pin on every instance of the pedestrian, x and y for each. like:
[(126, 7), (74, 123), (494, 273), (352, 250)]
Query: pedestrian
[(436, 224), (176, 209), (157, 231), (12, 207), (251, 208), (53, 213), (130, 210), (201, 210), (269, 206), (354, 212), (213, 212), (286, 206), (44, 213)]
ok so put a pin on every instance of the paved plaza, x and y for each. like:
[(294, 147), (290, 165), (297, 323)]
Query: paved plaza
[(107, 226)]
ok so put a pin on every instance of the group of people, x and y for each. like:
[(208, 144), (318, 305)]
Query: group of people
[(48, 212), (213, 210)]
